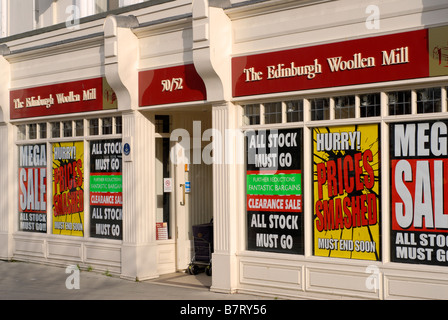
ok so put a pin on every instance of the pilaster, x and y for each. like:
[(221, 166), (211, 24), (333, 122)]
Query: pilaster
[(226, 199), (6, 191), (6, 160), (139, 250)]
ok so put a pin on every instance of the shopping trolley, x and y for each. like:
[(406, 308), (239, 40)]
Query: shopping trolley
[(203, 249)]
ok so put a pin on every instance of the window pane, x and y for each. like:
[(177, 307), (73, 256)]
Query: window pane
[(118, 125), (320, 109), (429, 100), (32, 131), (43, 130), (370, 105), (107, 125), (79, 128), (55, 129), (163, 209), (294, 111), (21, 132), (273, 112), (67, 128), (399, 102), (252, 114), (93, 127), (344, 107)]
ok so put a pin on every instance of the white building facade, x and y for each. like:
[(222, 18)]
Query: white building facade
[(312, 134)]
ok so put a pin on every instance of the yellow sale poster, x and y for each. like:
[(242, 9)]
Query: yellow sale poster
[(346, 218), (68, 188)]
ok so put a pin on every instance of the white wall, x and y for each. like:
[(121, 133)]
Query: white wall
[(21, 16), (329, 22)]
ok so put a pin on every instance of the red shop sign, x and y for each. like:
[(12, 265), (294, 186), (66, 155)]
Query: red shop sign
[(62, 98), (376, 59), (170, 85)]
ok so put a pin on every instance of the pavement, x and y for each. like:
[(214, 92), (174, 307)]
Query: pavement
[(31, 281)]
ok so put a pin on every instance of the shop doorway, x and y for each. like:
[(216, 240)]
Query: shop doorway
[(185, 187)]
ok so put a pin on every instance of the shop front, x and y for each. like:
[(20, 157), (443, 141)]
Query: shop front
[(344, 177), (319, 158), (110, 139)]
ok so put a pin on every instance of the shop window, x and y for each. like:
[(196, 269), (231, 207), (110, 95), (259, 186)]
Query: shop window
[(429, 100), (79, 128), (42, 130), (32, 131), (344, 107), (67, 128), (107, 126), (294, 111), (21, 132), (93, 127), (320, 109), (55, 130), (252, 114), (399, 102), (118, 125), (273, 112), (370, 105)]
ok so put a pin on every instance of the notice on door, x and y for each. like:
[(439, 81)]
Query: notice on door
[(167, 185), (274, 191)]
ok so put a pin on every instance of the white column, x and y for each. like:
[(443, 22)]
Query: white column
[(8, 176), (6, 189), (226, 201), (139, 249)]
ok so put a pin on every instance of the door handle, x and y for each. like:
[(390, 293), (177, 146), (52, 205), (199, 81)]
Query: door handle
[(182, 203)]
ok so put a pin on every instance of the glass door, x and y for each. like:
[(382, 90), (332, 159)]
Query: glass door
[(164, 187)]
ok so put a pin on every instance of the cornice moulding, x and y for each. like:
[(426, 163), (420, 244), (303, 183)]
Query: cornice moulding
[(56, 48)]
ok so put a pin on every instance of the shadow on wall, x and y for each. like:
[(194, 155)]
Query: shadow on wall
[(429, 14)]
